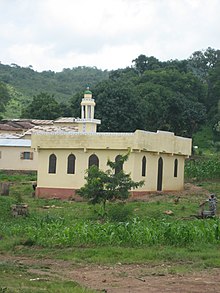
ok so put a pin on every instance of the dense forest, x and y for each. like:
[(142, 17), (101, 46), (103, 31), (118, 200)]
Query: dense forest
[(182, 96)]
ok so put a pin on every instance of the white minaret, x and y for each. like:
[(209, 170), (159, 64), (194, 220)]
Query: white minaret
[(87, 123)]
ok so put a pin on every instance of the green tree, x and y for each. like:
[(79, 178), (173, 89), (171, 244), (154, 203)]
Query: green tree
[(143, 63), (75, 104), (214, 101), (171, 100), (43, 106), (65, 110), (125, 74), (112, 184), (4, 97), (184, 116), (214, 90), (118, 106), (180, 65), (200, 62)]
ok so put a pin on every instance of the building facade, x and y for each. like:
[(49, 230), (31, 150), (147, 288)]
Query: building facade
[(63, 158), (16, 154)]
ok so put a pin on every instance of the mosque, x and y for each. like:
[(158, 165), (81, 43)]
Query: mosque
[(158, 158)]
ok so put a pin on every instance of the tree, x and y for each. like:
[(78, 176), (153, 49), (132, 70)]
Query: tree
[(180, 65), (171, 100), (75, 104), (101, 186), (143, 63), (65, 110), (125, 74), (4, 97), (43, 106), (117, 105), (200, 62), (184, 116), (214, 90)]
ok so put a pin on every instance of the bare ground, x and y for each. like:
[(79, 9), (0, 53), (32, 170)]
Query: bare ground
[(120, 278), (189, 190)]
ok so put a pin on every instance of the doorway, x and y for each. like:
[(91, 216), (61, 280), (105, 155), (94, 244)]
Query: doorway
[(160, 174)]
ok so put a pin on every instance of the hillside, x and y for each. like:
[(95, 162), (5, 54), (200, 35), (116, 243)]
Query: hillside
[(24, 82), (181, 96)]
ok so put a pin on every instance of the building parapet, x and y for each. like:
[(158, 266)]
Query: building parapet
[(86, 133), (160, 142), (90, 120)]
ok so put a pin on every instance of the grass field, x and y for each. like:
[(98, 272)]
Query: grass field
[(135, 232)]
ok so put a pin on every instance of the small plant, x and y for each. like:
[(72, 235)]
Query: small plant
[(19, 208), (18, 197)]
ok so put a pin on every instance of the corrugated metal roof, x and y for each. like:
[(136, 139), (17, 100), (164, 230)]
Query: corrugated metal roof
[(22, 124), (7, 127), (42, 122), (15, 142), (36, 125), (52, 129)]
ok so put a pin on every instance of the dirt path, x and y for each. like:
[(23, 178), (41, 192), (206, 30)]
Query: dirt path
[(121, 278)]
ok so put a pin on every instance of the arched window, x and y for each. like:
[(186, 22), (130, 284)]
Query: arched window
[(119, 164), (160, 174), (52, 164), (144, 166), (93, 160), (71, 164), (175, 168)]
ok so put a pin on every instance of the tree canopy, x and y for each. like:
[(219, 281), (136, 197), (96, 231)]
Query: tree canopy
[(43, 106), (4, 97)]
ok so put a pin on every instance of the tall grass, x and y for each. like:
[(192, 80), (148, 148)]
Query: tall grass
[(56, 232), (203, 168), (131, 225)]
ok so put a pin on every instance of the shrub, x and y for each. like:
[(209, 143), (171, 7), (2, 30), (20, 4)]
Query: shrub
[(119, 212)]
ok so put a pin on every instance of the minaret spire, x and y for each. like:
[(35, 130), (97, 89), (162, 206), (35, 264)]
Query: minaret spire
[(89, 124)]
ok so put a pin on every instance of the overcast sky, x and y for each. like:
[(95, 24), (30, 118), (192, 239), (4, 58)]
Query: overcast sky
[(108, 34)]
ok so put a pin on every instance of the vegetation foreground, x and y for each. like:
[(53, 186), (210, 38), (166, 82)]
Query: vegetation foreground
[(161, 230)]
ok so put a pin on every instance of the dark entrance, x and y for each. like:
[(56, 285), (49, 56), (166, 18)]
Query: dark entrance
[(160, 174)]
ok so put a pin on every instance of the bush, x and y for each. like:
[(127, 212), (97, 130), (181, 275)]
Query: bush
[(119, 212)]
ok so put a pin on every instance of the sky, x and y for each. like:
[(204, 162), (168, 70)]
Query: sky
[(107, 34)]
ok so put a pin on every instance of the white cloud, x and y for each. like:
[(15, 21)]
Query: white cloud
[(56, 34), (32, 54)]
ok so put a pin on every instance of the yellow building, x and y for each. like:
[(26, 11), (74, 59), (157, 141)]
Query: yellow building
[(16, 154), (157, 158), (15, 143)]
